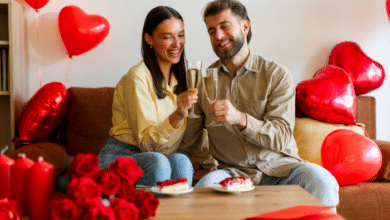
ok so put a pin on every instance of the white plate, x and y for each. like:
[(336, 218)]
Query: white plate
[(219, 188), (157, 191)]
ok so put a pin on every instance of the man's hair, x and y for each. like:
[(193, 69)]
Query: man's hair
[(217, 6)]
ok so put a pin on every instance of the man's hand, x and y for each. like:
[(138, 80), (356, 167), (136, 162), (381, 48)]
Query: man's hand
[(224, 111)]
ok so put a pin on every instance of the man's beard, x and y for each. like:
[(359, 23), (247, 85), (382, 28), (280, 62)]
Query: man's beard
[(226, 54)]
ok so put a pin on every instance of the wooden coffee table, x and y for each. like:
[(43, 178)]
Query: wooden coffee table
[(206, 203)]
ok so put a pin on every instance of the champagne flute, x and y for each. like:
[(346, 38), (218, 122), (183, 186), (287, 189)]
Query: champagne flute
[(193, 69), (210, 82)]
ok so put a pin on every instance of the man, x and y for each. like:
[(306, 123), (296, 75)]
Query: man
[(256, 104)]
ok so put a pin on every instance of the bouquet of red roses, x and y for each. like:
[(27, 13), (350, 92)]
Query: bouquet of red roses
[(103, 194)]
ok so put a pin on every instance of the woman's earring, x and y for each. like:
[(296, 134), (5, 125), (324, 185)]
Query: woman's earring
[(151, 46)]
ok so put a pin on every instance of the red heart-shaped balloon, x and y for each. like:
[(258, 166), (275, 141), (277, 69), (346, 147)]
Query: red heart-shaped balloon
[(44, 112), (329, 96), (350, 157), (81, 32), (366, 74), (37, 4)]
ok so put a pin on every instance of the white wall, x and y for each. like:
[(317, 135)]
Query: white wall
[(299, 34)]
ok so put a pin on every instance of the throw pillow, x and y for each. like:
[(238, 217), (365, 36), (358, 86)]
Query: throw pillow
[(310, 133)]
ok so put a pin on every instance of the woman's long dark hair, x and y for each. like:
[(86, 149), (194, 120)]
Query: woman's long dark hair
[(154, 18)]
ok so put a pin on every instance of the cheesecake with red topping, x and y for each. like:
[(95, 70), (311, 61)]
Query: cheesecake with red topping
[(236, 183), (174, 185)]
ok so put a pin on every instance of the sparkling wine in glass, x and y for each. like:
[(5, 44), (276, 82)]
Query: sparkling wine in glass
[(210, 82), (193, 71)]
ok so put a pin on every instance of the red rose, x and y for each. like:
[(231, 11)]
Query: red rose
[(99, 212), (10, 209), (147, 204), (61, 208), (85, 191), (109, 181), (127, 191), (84, 165), (8, 213), (127, 168), (124, 210)]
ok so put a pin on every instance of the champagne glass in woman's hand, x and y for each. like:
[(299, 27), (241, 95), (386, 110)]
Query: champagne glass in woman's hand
[(193, 69), (210, 83)]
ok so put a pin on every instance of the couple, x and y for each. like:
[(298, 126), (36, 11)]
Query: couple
[(256, 105)]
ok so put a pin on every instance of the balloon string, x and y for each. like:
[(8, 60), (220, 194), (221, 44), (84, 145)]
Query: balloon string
[(39, 60), (67, 73)]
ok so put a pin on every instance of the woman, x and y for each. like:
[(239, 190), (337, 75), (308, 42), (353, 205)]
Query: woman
[(151, 102)]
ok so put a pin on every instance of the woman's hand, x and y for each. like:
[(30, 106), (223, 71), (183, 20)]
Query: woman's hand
[(186, 100)]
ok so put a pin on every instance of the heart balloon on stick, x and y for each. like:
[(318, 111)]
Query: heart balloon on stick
[(79, 31), (366, 74), (329, 96), (43, 113), (37, 4)]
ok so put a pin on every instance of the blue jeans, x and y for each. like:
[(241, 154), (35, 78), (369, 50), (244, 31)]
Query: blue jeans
[(311, 177), (156, 166)]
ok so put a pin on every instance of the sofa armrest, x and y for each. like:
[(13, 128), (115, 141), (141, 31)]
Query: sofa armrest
[(384, 172), (52, 153)]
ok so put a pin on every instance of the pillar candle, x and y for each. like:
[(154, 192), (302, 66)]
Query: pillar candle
[(40, 189), (19, 183), (5, 174)]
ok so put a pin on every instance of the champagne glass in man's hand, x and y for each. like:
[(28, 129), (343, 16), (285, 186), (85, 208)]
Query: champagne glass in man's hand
[(193, 70), (210, 82)]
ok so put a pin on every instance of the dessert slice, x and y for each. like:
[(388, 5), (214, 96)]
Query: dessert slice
[(236, 183), (175, 185)]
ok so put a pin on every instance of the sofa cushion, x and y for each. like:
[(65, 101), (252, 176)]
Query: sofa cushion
[(51, 152), (310, 133), (364, 201), (88, 119), (384, 172)]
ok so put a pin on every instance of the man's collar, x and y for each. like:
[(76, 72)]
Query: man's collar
[(248, 65)]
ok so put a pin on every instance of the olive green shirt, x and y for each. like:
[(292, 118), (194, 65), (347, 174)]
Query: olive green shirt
[(265, 91)]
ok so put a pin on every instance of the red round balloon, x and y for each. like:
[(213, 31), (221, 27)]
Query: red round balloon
[(351, 158), (329, 96), (44, 112), (79, 31), (37, 4), (366, 74)]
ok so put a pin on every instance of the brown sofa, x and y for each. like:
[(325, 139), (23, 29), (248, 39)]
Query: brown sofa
[(88, 120)]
